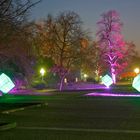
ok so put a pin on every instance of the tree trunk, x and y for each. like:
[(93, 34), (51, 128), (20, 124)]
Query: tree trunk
[(61, 83), (113, 75)]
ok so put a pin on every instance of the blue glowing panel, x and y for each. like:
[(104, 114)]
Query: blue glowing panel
[(136, 83), (107, 80), (5, 83)]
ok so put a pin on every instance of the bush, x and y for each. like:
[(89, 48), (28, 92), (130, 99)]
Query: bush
[(39, 84), (91, 80)]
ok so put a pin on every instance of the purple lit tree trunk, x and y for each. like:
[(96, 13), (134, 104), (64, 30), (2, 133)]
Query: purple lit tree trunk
[(113, 75), (111, 42), (62, 72), (62, 81)]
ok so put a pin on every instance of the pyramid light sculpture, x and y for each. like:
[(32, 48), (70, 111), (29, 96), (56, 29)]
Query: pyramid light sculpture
[(6, 83), (136, 83), (107, 80)]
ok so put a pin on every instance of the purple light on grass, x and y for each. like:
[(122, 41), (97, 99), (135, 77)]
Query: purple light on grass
[(29, 92), (84, 86), (108, 87), (113, 95)]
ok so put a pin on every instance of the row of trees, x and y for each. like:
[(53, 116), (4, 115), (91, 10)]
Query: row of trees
[(62, 40)]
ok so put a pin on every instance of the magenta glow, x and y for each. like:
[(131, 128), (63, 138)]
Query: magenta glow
[(113, 94)]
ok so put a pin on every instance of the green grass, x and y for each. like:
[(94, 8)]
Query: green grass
[(74, 111), (60, 135)]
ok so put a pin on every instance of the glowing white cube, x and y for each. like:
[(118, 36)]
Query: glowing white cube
[(107, 80), (136, 83), (5, 83)]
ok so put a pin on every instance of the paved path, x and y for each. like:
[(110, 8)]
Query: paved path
[(81, 130)]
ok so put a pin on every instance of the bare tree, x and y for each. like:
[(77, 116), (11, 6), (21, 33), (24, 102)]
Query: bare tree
[(14, 44), (89, 57), (14, 10), (62, 39), (12, 14)]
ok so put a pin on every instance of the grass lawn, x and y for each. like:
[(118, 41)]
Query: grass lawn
[(72, 116)]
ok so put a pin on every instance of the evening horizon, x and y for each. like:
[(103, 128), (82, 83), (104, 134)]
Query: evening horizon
[(90, 12)]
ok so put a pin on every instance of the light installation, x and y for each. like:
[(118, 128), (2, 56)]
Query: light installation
[(136, 83), (6, 83), (107, 80)]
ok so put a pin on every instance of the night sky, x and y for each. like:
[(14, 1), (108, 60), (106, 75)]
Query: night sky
[(90, 11)]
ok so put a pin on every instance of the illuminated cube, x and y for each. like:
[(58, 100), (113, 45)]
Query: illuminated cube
[(5, 83), (107, 80), (136, 83)]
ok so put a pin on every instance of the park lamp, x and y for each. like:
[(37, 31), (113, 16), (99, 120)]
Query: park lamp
[(42, 72), (136, 70), (85, 75)]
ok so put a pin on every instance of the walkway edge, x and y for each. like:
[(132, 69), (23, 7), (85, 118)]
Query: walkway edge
[(23, 108), (8, 126)]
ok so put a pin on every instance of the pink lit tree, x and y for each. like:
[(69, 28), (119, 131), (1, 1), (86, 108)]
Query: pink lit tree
[(112, 46)]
